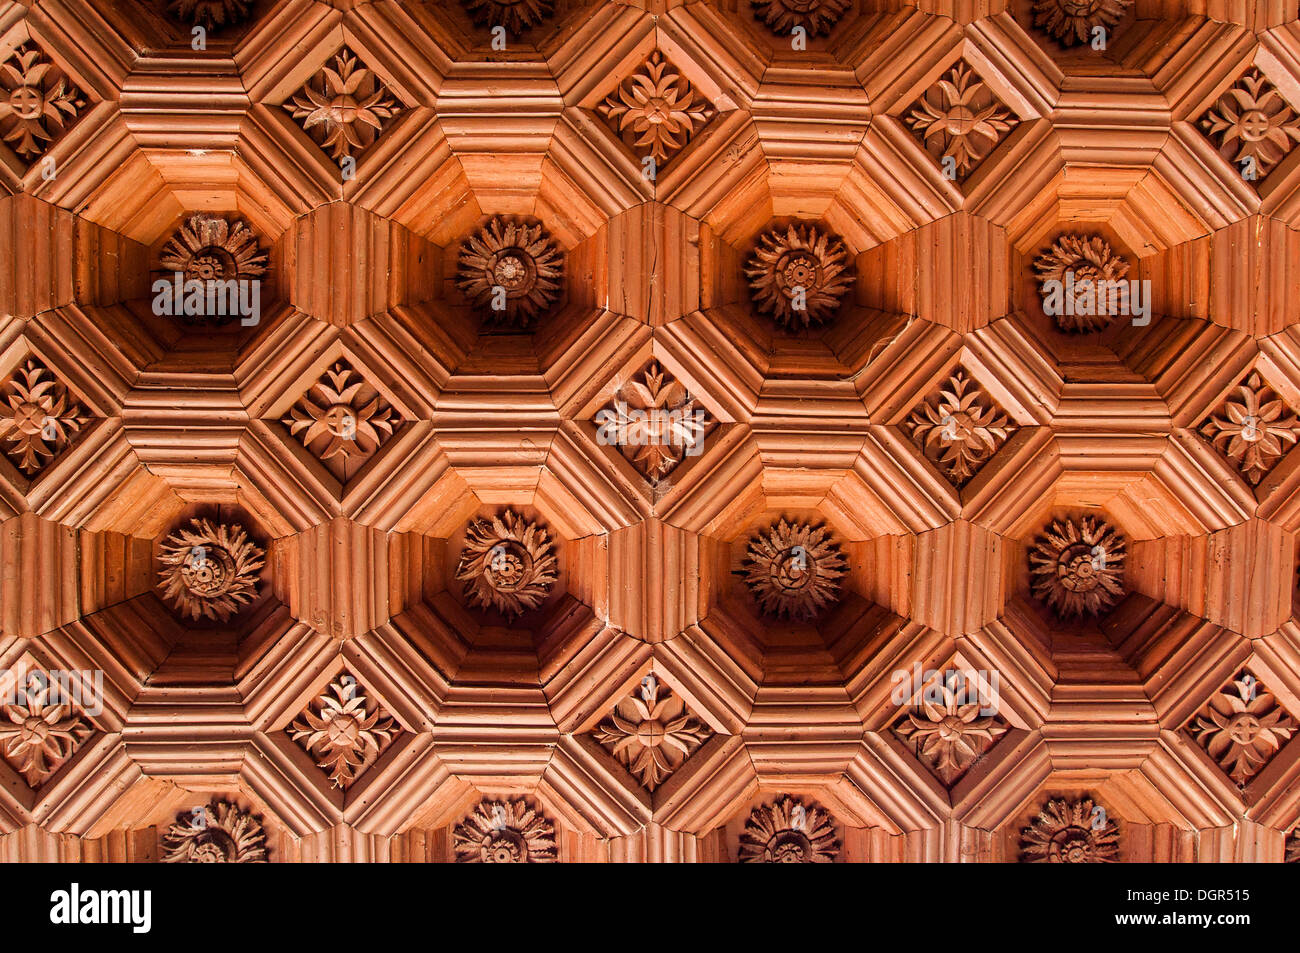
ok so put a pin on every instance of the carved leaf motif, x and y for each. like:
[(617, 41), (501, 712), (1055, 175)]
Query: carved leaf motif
[(38, 416), (656, 110), (652, 733), (1078, 568), (961, 429), (1252, 125), (344, 730), (218, 833), (799, 275), (504, 832), (37, 102), (344, 107), (209, 570), (508, 564), (520, 260), (655, 422), (1253, 428), (961, 118), (950, 735), (342, 416), (1070, 832), (1242, 727), (789, 832), (40, 732)]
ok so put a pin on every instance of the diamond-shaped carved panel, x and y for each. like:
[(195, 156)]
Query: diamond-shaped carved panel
[(960, 120), (344, 729), (1242, 727), (651, 732)]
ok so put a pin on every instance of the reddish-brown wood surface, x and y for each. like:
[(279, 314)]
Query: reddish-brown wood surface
[(460, 621)]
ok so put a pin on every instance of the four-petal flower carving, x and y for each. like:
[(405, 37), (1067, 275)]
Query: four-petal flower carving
[(1253, 125), (960, 118), (344, 730), (656, 109), (961, 429), (1254, 428), (342, 416), (36, 101), (38, 733), (654, 421), (952, 732), (1242, 727), (651, 732), (344, 107), (37, 416)]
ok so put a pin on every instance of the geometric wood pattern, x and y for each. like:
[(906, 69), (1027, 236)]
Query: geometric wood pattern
[(762, 356)]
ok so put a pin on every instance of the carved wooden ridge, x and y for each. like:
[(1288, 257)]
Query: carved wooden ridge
[(722, 430)]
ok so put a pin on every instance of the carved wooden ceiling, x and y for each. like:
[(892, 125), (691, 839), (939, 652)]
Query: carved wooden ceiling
[(626, 417)]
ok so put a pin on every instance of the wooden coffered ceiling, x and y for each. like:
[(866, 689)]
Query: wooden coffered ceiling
[(649, 562)]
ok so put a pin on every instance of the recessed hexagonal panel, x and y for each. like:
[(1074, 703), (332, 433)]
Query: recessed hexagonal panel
[(633, 391)]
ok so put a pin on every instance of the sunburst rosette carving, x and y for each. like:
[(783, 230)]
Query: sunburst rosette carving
[(799, 275), (210, 570), (1072, 21), (960, 429), (1252, 125), (1077, 566), (794, 569), (504, 832), (37, 101), (654, 421), (1242, 727), (960, 118), (40, 729), (817, 17), (656, 110), (216, 833), (948, 727), (517, 16), (651, 732), (344, 107), (787, 831), (39, 417), (210, 14), (508, 564), (344, 730), (1085, 261), (210, 247), (1070, 832), (342, 420), (511, 271), (1253, 427)]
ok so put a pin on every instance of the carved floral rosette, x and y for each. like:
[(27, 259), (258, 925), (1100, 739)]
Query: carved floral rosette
[(787, 831), (1071, 832), (799, 275), (504, 832), (1077, 566), (794, 570), (218, 833), (511, 271), (508, 564), (210, 570)]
